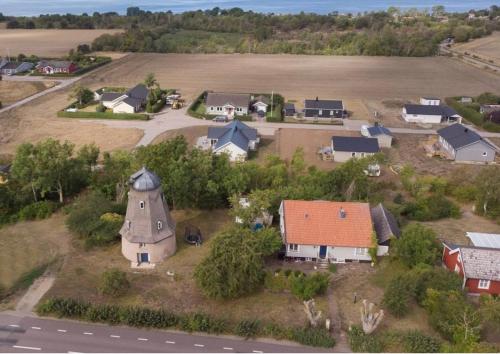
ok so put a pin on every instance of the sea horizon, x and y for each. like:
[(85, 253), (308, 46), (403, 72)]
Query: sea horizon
[(37, 7)]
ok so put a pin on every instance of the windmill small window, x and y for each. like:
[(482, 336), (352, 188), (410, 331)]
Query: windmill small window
[(159, 225), (142, 204), (128, 224)]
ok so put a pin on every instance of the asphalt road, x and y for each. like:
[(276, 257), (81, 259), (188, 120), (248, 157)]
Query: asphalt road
[(31, 335)]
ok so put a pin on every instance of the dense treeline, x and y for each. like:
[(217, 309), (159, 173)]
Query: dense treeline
[(389, 33)]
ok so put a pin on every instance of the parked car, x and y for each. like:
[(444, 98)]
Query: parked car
[(221, 119)]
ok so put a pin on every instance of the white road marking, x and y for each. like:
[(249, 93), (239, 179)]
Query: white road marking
[(29, 348), (88, 333), (227, 348), (14, 325), (62, 330), (257, 351), (37, 328), (199, 345), (143, 339), (169, 342), (114, 336), (75, 352)]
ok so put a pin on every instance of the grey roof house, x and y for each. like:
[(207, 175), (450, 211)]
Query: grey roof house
[(12, 68), (347, 147), (430, 114), (131, 101), (465, 145), (228, 104), (289, 109), (234, 139), (324, 109), (385, 225)]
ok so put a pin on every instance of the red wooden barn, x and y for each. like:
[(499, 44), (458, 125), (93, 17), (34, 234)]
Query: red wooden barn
[(478, 266)]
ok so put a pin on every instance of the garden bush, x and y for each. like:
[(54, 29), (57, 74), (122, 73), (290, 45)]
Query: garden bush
[(114, 282), (431, 208), (103, 313), (363, 343), (397, 296), (38, 210), (418, 342), (417, 244), (200, 322), (100, 108), (307, 287), (315, 337), (248, 328)]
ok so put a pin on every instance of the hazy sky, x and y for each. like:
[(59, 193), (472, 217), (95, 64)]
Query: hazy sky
[(36, 7)]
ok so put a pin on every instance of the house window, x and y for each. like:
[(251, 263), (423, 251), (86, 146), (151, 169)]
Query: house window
[(360, 251), (159, 225), (331, 113), (353, 154), (320, 112), (142, 204), (142, 244), (211, 108), (293, 247), (485, 154), (483, 284)]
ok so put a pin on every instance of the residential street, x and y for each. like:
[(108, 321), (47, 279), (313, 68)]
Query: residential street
[(177, 119), (30, 334)]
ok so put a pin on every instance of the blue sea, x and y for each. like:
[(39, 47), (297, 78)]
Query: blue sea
[(37, 7)]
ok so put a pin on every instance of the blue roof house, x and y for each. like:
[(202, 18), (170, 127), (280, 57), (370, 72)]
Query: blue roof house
[(234, 139)]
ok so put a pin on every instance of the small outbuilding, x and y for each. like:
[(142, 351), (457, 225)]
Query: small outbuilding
[(289, 109), (382, 134), (385, 225)]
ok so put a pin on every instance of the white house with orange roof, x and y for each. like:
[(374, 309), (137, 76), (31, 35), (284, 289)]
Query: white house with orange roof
[(322, 230)]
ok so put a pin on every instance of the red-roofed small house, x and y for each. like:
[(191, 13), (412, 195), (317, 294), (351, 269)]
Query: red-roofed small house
[(479, 267), (333, 231)]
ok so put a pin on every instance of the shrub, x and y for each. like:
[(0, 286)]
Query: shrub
[(417, 342), (103, 313), (417, 244), (288, 272), (430, 208), (200, 322), (363, 343), (38, 210), (100, 108), (315, 337), (397, 296), (64, 308), (424, 277), (307, 287), (114, 282), (102, 115), (248, 328), (276, 331)]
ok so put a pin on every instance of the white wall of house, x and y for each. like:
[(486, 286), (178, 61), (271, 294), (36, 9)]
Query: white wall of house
[(122, 107), (384, 140), (260, 107), (421, 118), (235, 153), (334, 254), (343, 156), (223, 110)]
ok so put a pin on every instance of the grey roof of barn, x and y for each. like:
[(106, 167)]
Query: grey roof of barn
[(430, 110), (218, 99), (235, 132), (379, 130), (144, 180), (460, 136), (480, 262), (355, 144), (384, 223), (11, 65), (324, 104), (289, 106), (132, 101)]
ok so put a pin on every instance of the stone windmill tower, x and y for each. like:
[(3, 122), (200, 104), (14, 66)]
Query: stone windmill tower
[(148, 233)]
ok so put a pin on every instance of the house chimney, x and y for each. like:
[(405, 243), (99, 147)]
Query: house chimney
[(317, 98), (342, 213), (466, 130), (306, 215)]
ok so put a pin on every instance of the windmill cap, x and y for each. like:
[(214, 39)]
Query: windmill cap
[(144, 180)]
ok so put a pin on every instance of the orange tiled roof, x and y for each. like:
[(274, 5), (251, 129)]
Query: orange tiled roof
[(319, 223)]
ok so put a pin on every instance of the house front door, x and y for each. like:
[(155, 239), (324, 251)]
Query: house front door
[(322, 252), (143, 257)]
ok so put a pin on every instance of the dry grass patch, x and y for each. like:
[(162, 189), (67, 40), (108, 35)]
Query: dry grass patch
[(79, 278), (486, 48), (191, 134), (13, 91), (30, 244)]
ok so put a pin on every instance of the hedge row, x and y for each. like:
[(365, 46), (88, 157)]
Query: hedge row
[(192, 110), (103, 115), (472, 116), (191, 322)]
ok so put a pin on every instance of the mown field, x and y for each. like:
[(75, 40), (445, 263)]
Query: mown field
[(13, 91), (42, 42), (486, 48)]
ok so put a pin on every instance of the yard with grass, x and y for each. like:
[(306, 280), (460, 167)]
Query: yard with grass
[(27, 247), (80, 275)]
